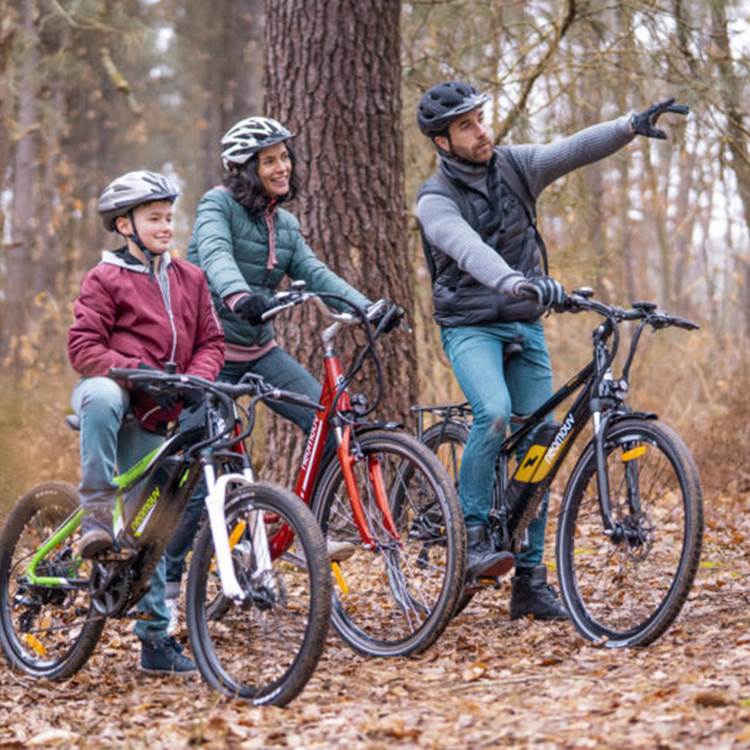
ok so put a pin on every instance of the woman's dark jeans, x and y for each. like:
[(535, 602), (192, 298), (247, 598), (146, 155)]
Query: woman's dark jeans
[(280, 369)]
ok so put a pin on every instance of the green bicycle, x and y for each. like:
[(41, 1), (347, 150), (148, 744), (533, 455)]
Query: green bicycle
[(257, 615)]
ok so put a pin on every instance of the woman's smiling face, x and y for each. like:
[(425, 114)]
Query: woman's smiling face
[(275, 170)]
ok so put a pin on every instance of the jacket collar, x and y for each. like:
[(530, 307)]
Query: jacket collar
[(129, 262)]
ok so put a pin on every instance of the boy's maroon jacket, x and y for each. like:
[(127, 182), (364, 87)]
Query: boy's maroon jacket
[(125, 317)]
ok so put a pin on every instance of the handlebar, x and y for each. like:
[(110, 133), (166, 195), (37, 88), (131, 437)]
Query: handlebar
[(381, 309), (250, 385), (580, 300)]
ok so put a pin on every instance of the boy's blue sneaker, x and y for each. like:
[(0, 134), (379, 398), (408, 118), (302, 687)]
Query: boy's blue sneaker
[(164, 656)]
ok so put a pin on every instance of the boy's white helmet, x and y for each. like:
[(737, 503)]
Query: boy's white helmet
[(129, 190), (245, 138)]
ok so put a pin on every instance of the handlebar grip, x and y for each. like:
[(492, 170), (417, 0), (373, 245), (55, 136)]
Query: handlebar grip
[(684, 323), (126, 373), (295, 398)]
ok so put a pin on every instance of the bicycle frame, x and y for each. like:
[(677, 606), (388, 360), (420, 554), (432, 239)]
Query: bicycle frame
[(601, 399), (335, 399), (166, 503), (332, 401)]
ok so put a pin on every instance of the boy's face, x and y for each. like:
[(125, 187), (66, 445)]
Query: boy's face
[(154, 224), (470, 137)]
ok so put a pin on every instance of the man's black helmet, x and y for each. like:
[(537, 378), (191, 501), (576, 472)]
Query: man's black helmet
[(443, 103)]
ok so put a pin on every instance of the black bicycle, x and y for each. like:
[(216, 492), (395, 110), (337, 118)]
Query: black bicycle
[(257, 615), (631, 520)]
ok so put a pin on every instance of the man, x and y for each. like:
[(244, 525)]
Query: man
[(488, 267)]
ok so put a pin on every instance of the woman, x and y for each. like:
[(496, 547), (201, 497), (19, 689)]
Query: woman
[(247, 244)]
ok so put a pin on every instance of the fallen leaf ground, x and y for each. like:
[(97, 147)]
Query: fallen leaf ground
[(488, 682)]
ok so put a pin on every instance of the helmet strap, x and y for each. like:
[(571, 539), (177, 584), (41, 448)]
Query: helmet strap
[(138, 242)]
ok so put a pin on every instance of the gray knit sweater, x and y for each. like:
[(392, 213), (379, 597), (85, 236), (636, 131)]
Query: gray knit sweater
[(447, 230)]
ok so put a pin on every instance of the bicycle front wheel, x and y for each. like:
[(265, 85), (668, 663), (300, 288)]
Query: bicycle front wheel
[(627, 588), (396, 596), (264, 648), (48, 628)]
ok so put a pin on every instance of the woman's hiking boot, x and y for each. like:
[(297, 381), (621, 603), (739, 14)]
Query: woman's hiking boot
[(482, 560), (532, 595)]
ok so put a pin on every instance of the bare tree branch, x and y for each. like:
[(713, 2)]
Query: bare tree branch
[(566, 20)]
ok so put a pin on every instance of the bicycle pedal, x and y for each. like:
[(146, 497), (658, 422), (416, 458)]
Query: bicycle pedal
[(489, 583), (141, 616), (116, 556)]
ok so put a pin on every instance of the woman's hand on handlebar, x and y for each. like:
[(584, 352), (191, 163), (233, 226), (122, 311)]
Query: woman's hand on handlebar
[(384, 315), (252, 306)]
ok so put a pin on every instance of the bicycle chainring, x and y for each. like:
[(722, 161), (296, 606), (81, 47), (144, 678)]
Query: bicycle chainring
[(110, 588)]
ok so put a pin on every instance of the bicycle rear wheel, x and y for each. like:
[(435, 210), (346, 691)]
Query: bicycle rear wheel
[(265, 648), (45, 631), (397, 597), (627, 591)]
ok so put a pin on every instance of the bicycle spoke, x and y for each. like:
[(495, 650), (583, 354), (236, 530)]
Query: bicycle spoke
[(388, 596), (624, 583)]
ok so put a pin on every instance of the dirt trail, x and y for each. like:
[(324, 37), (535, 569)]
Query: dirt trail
[(488, 682)]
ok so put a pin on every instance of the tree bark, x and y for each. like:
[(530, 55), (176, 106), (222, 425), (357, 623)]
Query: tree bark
[(730, 88), (19, 253), (333, 75)]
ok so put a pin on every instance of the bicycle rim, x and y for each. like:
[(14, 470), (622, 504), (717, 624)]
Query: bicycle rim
[(396, 598), (265, 648), (45, 631), (628, 592)]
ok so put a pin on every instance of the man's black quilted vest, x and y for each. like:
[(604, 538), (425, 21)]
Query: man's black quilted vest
[(506, 223)]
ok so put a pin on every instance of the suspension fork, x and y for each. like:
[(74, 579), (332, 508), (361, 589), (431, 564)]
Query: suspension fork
[(215, 504), (602, 477), (375, 473)]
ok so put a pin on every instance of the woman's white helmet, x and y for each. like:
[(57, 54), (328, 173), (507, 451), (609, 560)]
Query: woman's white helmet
[(129, 190), (245, 138)]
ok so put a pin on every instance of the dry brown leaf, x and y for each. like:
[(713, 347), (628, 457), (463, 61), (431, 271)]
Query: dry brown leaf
[(712, 698)]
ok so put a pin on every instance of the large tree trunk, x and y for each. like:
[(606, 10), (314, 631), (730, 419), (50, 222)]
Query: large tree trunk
[(333, 76)]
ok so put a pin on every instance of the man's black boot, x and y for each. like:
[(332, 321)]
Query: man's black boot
[(532, 595), (482, 561)]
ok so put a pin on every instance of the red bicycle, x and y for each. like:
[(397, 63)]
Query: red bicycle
[(386, 495)]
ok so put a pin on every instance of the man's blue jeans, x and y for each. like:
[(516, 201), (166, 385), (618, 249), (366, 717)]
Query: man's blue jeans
[(283, 371), (495, 389), (109, 439)]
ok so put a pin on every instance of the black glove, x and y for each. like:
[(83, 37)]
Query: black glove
[(548, 292), (252, 306), (166, 401), (190, 396), (394, 313), (643, 123)]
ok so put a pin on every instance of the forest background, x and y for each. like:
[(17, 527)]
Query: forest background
[(93, 88)]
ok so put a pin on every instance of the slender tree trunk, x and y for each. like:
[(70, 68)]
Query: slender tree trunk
[(730, 88), (23, 209), (8, 30), (333, 76), (626, 247)]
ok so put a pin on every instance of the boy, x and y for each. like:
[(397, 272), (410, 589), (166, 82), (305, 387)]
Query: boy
[(138, 307)]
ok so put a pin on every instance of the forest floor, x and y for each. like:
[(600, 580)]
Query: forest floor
[(488, 682)]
